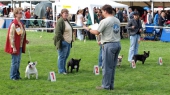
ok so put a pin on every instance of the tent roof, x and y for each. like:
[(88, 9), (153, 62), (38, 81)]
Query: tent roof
[(80, 4), (25, 0), (2, 4), (103, 2), (141, 0), (97, 3)]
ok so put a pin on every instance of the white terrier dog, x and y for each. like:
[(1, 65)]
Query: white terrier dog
[(119, 60), (31, 70)]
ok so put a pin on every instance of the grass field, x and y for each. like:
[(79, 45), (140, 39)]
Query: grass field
[(147, 79)]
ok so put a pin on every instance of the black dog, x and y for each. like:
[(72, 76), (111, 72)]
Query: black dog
[(74, 64), (141, 57)]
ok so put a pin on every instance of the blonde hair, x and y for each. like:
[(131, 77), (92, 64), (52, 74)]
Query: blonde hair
[(80, 11), (17, 10), (64, 10)]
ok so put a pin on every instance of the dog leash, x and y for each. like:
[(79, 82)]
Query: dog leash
[(29, 53)]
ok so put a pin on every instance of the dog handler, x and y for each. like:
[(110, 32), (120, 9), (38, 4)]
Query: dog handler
[(135, 28), (110, 39), (16, 43), (63, 39)]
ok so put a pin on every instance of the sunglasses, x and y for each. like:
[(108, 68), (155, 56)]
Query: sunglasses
[(20, 13)]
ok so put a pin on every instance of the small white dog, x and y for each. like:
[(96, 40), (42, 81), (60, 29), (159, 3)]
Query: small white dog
[(119, 60), (31, 70)]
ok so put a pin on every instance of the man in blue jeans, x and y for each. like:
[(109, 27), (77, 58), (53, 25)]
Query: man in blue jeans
[(135, 28), (110, 40)]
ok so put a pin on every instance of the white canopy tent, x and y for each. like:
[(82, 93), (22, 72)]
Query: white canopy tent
[(26, 5), (74, 5), (100, 3)]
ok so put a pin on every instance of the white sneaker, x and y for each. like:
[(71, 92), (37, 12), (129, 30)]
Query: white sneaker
[(65, 73)]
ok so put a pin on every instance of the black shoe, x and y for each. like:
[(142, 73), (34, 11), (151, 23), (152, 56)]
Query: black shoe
[(19, 78)]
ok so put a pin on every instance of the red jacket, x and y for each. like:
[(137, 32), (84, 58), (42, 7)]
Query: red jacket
[(27, 14), (17, 38), (144, 18)]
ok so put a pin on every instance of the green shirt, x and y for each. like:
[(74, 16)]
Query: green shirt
[(89, 22), (59, 31)]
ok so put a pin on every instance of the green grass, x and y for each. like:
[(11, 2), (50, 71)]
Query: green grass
[(147, 79)]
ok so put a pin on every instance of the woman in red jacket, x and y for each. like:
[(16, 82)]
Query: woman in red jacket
[(144, 17), (16, 43)]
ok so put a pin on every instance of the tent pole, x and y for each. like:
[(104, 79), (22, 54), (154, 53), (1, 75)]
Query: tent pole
[(19, 3), (163, 5), (12, 4), (30, 7), (152, 7)]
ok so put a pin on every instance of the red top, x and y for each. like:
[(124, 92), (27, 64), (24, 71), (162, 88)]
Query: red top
[(27, 14), (144, 18), (17, 38)]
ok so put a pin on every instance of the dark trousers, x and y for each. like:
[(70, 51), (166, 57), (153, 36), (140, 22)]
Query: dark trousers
[(91, 36), (121, 34)]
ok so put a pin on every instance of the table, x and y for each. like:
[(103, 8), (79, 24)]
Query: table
[(165, 37), (6, 22), (123, 24), (77, 27), (1, 23)]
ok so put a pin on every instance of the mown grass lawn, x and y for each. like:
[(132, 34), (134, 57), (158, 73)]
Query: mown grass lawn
[(147, 79)]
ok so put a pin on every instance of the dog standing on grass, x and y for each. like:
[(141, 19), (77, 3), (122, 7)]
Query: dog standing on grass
[(141, 57), (74, 64), (31, 70), (119, 60)]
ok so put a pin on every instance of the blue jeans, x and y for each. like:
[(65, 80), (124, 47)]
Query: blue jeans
[(27, 23), (14, 73), (23, 21), (133, 46), (63, 54), (100, 56), (110, 52), (80, 35)]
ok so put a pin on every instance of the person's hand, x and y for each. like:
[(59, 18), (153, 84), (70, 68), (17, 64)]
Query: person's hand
[(86, 28), (140, 30), (27, 42), (14, 50), (133, 27), (99, 43)]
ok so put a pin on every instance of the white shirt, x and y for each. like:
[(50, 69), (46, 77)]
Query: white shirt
[(11, 14), (79, 20), (149, 18)]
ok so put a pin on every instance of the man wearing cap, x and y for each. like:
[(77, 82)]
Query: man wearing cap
[(135, 28)]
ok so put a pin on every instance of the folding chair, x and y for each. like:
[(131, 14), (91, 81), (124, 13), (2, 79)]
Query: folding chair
[(149, 32)]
